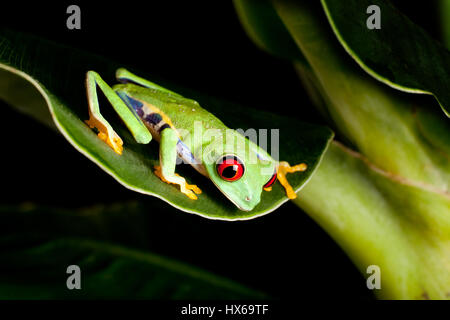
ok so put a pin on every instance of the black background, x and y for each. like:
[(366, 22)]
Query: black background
[(201, 46)]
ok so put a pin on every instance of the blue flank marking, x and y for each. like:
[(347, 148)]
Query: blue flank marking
[(153, 118), (164, 126), (184, 152), (132, 104)]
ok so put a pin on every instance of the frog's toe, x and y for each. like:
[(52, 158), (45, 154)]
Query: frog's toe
[(286, 168), (106, 134), (112, 140), (191, 195), (194, 188), (190, 190), (283, 169)]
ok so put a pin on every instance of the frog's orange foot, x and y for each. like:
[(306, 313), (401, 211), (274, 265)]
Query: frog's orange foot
[(282, 170), (106, 134), (158, 173), (189, 190)]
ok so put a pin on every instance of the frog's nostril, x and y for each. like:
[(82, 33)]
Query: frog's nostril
[(248, 198)]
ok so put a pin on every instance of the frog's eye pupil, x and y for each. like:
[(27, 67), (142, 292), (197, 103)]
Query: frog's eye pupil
[(229, 172), (230, 168)]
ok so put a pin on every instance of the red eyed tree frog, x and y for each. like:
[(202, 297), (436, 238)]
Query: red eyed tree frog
[(236, 165)]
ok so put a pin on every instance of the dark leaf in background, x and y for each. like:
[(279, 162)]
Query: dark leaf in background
[(400, 53)]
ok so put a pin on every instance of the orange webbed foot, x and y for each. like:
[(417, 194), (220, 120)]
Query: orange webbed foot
[(282, 170)]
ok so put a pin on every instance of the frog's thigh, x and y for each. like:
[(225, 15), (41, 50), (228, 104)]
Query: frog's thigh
[(167, 160)]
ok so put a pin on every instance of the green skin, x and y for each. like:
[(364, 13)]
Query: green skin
[(186, 119)]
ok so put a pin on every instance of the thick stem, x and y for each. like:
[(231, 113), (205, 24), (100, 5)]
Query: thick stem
[(363, 208), (378, 120)]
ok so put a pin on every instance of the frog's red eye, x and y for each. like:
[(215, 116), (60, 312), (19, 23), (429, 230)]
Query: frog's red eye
[(271, 181), (230, 168)]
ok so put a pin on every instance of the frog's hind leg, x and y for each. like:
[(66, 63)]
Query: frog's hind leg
[(96, 120), (167, 159), (125, 76), (282, 170)]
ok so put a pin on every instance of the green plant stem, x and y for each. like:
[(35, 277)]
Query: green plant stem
[(377, 120), (381, 220)]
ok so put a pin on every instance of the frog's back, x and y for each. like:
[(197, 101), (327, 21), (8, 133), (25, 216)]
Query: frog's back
[(159, 110), (163, 109)]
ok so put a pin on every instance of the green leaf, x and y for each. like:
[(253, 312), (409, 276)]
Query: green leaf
[(37, 244), (376, 119), (400, 54), (58, 73), (265, 28), (387, 204), (444, 8), (383, 219), (435, 132)]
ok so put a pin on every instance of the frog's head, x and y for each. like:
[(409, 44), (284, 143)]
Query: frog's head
[(240, 169)]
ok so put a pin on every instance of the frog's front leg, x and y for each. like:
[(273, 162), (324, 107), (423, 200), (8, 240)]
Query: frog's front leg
[(282, 170), (96, 120), (167, 160)]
